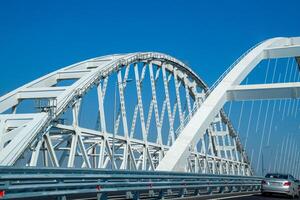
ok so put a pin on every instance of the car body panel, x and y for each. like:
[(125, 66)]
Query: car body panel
[(280, 184)]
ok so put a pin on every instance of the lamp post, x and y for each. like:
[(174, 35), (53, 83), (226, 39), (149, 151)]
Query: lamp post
[(114, 116)]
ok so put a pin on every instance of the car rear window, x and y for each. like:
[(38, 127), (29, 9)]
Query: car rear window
[(279, 176)]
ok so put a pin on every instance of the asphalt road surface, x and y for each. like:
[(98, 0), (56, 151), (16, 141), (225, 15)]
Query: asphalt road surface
[(260, 197)]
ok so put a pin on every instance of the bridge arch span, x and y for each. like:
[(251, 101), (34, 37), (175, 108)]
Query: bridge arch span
[(41, 137), (217, 96)]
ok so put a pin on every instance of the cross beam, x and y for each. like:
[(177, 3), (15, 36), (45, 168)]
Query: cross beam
[(264, 91)]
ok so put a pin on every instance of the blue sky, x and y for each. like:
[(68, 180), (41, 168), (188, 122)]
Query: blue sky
[(37, 37)]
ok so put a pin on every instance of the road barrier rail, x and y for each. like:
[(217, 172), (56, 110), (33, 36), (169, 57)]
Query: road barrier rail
[(67, 183)]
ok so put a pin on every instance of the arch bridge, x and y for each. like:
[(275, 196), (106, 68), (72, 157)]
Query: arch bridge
[(143, 111)]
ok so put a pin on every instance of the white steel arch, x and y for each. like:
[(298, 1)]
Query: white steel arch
[(42, 132), (223, 90)]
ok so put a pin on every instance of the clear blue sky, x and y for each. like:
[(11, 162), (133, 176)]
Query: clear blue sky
[(37, 37)]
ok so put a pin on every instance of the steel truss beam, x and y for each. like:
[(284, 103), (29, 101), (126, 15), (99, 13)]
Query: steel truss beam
[(50, 143)]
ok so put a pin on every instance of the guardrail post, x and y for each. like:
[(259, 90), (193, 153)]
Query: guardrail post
[(60, 180), (209, 188), (230, 188), (129, 195), (234, 188), (169, 192), (101, 196), (151, 191), (196, 192), (183, 191), (62, 198), (243, 187), (161, 194), (136, 195), (221, 189)]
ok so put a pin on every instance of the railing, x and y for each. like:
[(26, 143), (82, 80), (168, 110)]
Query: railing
[(209, 90), (229, 69), (28, 183)]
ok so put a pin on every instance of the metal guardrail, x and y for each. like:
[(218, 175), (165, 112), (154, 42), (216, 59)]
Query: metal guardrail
[(57, 183)]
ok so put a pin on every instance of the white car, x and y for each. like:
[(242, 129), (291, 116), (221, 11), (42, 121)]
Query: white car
[(275, 183)]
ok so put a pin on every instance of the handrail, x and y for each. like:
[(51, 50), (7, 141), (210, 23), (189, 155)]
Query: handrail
[(208, 92), (210, 89), (214, 85)]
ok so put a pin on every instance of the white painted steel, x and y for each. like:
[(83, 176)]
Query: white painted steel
[(42, 135), (178, 154), (264, 91)]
